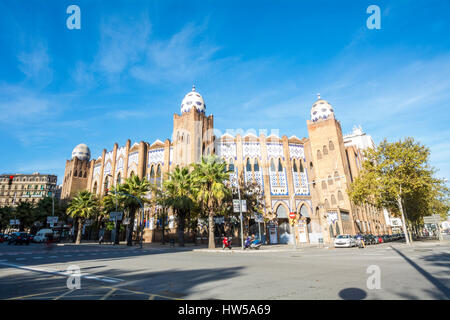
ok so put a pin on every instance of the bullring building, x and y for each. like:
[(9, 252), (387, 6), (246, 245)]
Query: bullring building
[(308, 176)]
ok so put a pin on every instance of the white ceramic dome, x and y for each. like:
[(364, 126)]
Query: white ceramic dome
[(321, 109), (193, 99), (82, 152)]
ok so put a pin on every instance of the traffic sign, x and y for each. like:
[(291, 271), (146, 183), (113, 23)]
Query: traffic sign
[(115, 216), (432, 219), (13, 222), (52, 219), (292, 215), (236, 205)]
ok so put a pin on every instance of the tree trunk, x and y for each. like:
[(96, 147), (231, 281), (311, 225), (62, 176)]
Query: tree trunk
[(211, 243), (80, 229), (181, 220), (116, 238), (131, 225)]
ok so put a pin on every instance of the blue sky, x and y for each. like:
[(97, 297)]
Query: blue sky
[(258, 64)]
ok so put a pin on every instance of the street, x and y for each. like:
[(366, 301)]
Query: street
[(160, 272)]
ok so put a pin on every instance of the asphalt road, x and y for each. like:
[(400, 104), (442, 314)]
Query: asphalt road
[(108, 272)]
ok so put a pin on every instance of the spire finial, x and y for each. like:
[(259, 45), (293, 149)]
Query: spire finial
[(318, 96), (193, 87)]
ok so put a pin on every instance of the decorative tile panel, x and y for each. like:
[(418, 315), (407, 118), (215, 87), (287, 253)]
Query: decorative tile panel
[(108, 156), (226, 150), (107, 169), (133, 159), (156, 156), (251, 150), (275, 150), (296, 151), (120, 164), (120, 152), (278, 183), (300, 183), (97, 170)]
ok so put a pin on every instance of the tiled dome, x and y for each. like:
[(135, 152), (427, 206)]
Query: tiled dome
[(82, 152), (321, 109), (193, 99)]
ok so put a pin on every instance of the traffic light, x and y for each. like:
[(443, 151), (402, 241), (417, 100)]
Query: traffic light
[(10, 180)]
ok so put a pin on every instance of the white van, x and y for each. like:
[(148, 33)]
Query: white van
[(41, 235)]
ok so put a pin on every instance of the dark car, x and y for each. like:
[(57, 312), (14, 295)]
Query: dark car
[(19, 238)]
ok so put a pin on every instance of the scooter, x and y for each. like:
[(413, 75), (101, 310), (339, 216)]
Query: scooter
[(226, 243), (252, 245)]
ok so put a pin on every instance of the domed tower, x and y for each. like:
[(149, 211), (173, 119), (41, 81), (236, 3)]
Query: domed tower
[(77, 172), (330, 168), (193, 135)]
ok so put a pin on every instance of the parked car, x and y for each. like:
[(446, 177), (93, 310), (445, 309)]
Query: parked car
[(19, 238), (2, 237), (31, 237), (43, 234), (344, 240)]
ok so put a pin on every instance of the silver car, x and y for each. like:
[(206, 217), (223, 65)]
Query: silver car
[(345, 241)]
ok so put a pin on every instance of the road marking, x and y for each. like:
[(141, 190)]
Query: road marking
[(110, 292), (64, 274), (20, 258), (151, 297), (63, 295), (3, 260), (33, 295), (37, 257)]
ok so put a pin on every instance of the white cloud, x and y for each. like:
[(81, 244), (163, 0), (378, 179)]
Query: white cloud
[(35, 64)]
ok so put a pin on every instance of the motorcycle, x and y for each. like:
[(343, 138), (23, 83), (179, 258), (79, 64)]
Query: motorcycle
[(226, 243), (249, 244)]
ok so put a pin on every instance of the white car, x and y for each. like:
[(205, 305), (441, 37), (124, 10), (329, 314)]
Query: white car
[(41, 236), (344, 240)]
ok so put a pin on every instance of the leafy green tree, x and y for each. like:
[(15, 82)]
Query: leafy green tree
[(179, 196), (210, 188), (112, 203), (83, 206), (24, 212), (6, 214), (398, 176), (138, 188)]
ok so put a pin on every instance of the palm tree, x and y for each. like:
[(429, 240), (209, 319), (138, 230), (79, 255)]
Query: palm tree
[(179, 189), (209, 180), (83, 206), (112, 202), (132, 190)]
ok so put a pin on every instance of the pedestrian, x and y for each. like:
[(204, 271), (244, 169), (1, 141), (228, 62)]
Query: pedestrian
[(102, 232)]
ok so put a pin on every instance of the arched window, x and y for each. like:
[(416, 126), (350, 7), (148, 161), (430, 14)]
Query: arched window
[(317, 211), (294, 167), (340, 196), (187, 139), (280, 166), (272, 165), (336, 176), (75, 173), (330, 180), (182, 138), (118, 179), (327, 204), (94, 190), (152, 174), (333, 200), (158, 176), (231, 165), (301, 167), (310, 165), (324, 185), (319, 155), (281, 212), (331, 145), (132, 173), (84, 176), (256, 165), (106, 184), (248, 166), (304, 211), (325, 150)]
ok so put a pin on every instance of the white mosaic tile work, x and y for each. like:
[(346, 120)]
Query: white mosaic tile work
[(278, 182), (170, 155), (233, 178), (107, 169), (120, 152), (275, 150), (133, 159), (296, 151), (226, 149), (156, 156), (97, 169), (300, 183), (108, 156), (251, 150), (120, 164)]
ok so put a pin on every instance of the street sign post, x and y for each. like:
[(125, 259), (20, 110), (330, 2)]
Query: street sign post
[(292, 215)]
